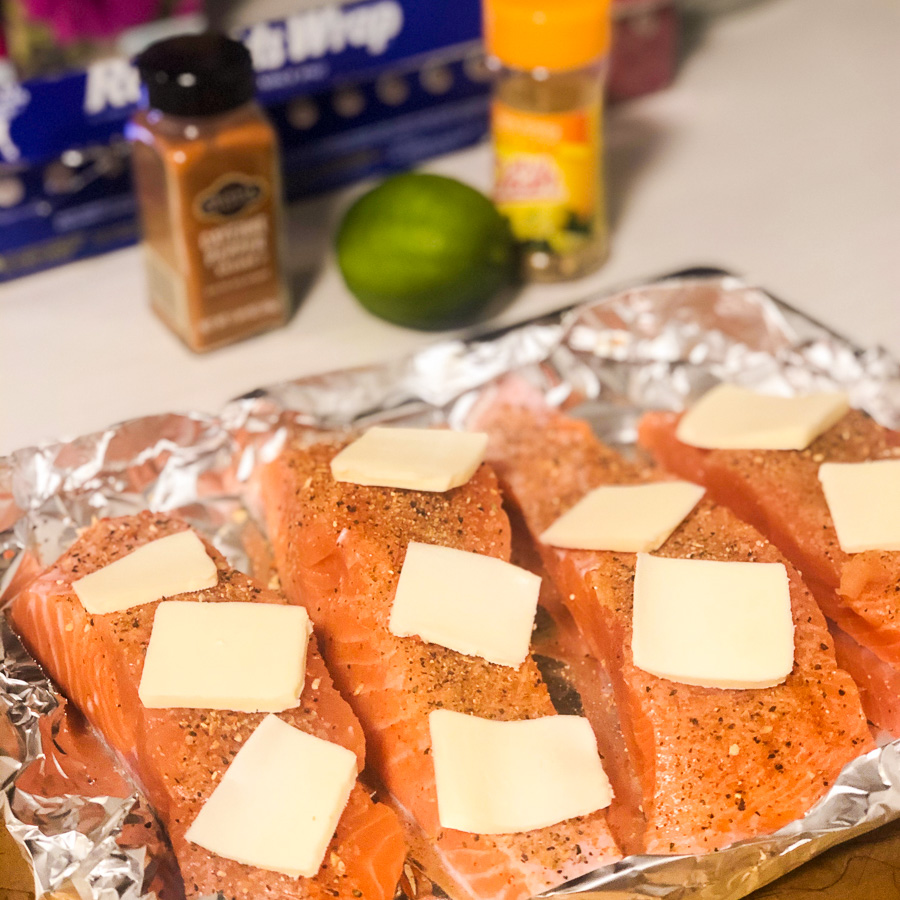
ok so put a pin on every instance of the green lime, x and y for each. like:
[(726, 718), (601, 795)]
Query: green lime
[(425, 251)]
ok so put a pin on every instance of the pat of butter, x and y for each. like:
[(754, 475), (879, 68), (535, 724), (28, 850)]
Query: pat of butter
[(279, 802), (505, 777), (176, 564), (249, 657), (864, 501), (420, 459), (474, 604), (735, 418), (713, 624), (625, 518)]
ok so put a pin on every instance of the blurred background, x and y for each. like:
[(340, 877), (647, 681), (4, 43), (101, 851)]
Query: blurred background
[(759, 137)]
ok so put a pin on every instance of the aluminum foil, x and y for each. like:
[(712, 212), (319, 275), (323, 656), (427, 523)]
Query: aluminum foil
[(650, 347)]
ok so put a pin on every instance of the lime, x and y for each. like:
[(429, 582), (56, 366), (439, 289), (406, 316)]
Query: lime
[(425, 251)]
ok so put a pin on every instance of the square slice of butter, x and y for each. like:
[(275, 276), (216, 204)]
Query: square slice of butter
[(497, 777), (176, 564), (279, 802), (474, 604), (248, 657), (713, 624), (864, 501), (420, 459), (730, 417), (625, 518)]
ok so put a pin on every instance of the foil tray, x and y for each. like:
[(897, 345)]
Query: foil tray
[(655, 346)]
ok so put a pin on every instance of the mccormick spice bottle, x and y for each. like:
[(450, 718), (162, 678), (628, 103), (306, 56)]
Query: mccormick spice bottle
[(208, 185), (546, 121)]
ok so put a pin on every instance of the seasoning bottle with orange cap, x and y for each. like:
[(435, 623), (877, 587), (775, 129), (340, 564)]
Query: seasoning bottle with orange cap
[(547, 124), (207, 175)]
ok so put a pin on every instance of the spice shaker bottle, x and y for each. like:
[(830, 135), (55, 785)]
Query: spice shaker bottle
[(208, 184), (550, 58)]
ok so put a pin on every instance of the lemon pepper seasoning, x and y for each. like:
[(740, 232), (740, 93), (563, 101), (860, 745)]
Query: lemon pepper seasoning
[(546, 122), (209, 189)]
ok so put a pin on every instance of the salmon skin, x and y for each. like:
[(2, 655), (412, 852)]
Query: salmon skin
[(339, 549), (178, 755), (778, 491), (715, 766)]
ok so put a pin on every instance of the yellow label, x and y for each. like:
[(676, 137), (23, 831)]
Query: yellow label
[(548, 179)]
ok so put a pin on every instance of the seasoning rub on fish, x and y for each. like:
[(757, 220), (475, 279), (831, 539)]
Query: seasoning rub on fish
[(179, 755), (779, 492), (339, 549), (715, 765)]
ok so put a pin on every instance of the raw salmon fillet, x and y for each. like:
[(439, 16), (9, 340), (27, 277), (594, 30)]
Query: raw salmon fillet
[(178, 755), (715, 766), (778, 491), (339, 549)]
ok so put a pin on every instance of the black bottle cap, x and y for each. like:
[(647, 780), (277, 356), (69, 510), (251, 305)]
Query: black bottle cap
[(196, 74)]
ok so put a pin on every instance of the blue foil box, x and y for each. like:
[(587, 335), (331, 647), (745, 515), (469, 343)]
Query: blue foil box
[(354, 89)]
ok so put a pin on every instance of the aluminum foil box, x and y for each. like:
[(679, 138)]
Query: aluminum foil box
[(355, 89)]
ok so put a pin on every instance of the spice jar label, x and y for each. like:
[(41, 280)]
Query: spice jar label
[(207, 175), (228, 196), (546, 180)]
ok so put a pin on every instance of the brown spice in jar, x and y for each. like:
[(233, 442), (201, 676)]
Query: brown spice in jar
[(209, 189)]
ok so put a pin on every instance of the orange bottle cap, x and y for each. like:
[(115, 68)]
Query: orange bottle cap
[(548, 34)]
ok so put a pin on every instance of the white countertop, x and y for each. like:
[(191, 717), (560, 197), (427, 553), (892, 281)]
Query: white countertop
[(776, 155)]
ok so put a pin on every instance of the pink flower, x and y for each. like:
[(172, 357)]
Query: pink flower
[(73, 20)]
